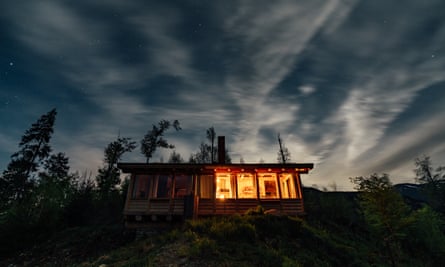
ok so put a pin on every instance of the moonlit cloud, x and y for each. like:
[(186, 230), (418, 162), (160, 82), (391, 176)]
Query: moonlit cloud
[(271, 46), (307, 89)]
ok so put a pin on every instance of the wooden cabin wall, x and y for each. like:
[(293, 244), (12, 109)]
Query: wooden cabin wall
[(202, 206), (300, 190)]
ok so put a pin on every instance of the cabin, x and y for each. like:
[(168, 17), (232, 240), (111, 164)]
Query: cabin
[(165, 191)]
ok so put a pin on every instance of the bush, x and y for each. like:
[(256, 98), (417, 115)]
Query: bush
[(427, 238), (233, 228), (271, 226), (202, 246)]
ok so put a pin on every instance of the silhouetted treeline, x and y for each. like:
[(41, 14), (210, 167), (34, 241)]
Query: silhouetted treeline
[(39, 195)]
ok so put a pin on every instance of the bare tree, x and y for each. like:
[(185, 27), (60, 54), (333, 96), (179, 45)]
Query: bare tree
[(283, 153), (211, 137)]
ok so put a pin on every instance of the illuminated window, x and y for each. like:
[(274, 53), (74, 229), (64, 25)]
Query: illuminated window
[(287, 186), (267, 183), (141, 187), (246, 185), (206, 186), (163, 186), (183, 185), (224, 186)]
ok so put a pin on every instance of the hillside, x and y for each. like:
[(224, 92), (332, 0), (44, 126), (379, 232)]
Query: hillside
[(254, 240), (332, 234)]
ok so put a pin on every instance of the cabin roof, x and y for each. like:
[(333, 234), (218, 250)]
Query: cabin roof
[(128, 167)]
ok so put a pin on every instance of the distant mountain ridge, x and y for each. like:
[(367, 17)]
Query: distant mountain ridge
[(414, 193)]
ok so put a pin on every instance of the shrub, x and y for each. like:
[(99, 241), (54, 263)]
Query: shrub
[(233, 228), (259, 210), (427, 238), (202, 246)]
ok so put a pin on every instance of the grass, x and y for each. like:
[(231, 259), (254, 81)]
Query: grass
[(253, 239), (238, 240)]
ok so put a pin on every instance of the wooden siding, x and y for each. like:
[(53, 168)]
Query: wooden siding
[(155, 207), (136, 207), (240, 206), (292, 206)]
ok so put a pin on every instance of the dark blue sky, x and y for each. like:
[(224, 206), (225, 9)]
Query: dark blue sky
[(354, 86)]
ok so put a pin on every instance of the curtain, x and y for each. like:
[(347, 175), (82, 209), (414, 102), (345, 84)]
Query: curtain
[(206, 186)]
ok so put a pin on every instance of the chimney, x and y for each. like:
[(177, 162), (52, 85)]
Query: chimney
[(221, 150)]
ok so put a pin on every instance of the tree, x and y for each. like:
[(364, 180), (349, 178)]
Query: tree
[(203, 155), (53, 191), (154, 138), (433, 181), (17, 180), (207, 152), (81, 208), (57, 166), (108, 176), (211, 137), (384, 211), (175, 158), (283, 153), (427, 237)]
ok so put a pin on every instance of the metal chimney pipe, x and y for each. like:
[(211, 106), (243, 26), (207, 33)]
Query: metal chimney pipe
[(221, 150)]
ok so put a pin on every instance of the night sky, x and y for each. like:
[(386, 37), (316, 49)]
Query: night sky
[(355, 87)]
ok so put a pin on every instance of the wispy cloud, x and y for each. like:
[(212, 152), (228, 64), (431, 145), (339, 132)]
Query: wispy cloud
[(333, 77), (270, 36)]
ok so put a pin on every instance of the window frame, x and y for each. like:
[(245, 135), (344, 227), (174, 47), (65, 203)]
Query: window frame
[(291, 191), (239, 189), (136, 186), (272, 183), (228, 188)]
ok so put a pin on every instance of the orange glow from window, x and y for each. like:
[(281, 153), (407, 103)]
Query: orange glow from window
[(268, 186), (287, 186), (246, 185), (224, 186)]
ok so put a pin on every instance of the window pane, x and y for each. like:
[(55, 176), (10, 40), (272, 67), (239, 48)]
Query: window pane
[(183, 185), (141, 187), (224, 185), (164, 186), (287, 186), (246, 185), (267, 183), (206, 184)]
